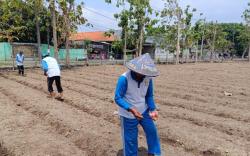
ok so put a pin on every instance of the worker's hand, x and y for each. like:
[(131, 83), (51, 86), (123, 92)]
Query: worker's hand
[(154, 115), (136, 113), (45, 74)]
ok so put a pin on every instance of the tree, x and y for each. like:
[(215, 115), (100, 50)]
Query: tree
[(216, 39), (25, 24), (134, 21), (123, 18), (190, 35), (72, 17), (38, 6), (201, 28), (235, 34), (11, 20), (246, 16), (52, 8), (195, 36), (140, 10), (244, 38), (172, 15)]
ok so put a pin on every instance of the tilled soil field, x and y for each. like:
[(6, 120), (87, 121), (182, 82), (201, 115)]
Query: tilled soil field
[(196, 117)]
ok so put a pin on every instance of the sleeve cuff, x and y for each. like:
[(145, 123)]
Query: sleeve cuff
[(152, 109), (128, 108)]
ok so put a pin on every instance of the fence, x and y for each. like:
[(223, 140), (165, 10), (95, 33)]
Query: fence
[(78, 56), (7, 51)]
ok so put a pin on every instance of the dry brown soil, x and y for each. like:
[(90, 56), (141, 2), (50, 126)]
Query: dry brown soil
[(196, 118)]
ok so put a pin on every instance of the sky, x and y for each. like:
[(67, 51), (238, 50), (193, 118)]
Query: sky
[(100, 14)]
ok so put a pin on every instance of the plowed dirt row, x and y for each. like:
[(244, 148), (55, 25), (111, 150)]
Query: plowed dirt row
[(190, 90), (225, 125), (92, 110), (222, 125), (195, 116)]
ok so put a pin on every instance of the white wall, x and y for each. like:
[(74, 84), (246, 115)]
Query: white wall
[(163, 55)]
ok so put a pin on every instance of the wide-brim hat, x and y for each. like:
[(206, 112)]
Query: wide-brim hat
[(143, 65)]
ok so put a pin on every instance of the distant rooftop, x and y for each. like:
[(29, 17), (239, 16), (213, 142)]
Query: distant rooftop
[(97, 36)]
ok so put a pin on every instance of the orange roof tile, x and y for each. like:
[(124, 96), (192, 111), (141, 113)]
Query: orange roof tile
[(92, 36)]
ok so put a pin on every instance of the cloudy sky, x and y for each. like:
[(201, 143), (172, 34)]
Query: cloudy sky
[(100, 14)]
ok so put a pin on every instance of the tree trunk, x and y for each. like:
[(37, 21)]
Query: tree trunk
[(125, 46), (53, 12), (13, 54), (213, 46), (202, 39), (66, 17), (138, 42), (38, 36), (67, 52), (48, 38), (178, 43), (141, 39), (243, 55), (202, 44), (166, 56), (249, 53), (196, 52)]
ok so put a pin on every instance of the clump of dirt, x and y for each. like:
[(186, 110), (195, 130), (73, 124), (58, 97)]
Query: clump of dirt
[(4, 151), (212, 152)]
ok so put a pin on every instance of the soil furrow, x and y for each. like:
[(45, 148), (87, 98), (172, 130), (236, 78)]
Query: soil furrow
[(221, 126), (30, 131)]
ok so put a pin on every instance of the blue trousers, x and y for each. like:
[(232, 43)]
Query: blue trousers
[(129, 129)]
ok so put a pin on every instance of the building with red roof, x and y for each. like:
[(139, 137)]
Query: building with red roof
[(100, 43), (97, 36)]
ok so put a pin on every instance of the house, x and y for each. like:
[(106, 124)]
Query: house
[(100, 44), (159, 54)]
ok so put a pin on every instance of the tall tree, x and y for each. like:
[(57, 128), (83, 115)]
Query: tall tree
[(215, 39), (172, 15), (38, 9), (246, 16), (38, 5), (123, 18), (189, 34), (11, 20), (244, 40), (26, 22), (138, 18), (73, 16), (52, 7), (141, 10), (202, 27)]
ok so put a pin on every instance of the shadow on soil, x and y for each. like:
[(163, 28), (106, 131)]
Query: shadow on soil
[(4, 151), (142, 151)]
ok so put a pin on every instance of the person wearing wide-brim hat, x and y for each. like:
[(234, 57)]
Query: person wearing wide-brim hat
[(134, 96)]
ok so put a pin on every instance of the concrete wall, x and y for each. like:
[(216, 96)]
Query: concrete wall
[(30, 51)]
